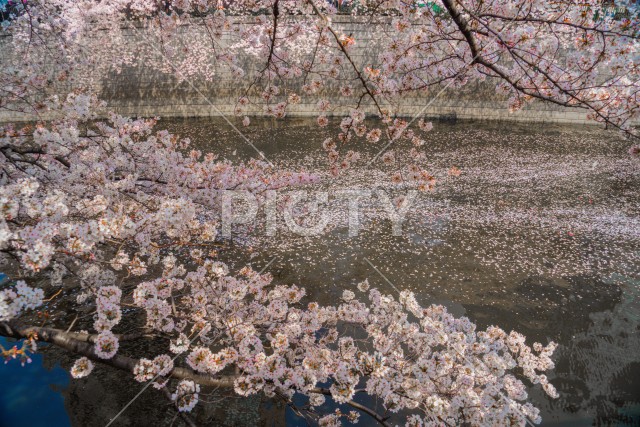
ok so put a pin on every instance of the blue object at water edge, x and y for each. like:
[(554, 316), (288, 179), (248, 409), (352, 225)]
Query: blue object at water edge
[(27, 394)]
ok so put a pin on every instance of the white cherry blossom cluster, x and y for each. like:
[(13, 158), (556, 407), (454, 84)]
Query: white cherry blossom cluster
[(151, 189), (108, 308), (19, 298), (81, 368), (419, 359), (570, 53), (106, 345), (186, 395), (104, 198)]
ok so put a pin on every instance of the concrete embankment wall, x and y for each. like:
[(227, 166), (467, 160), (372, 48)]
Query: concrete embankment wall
[(143, 91)]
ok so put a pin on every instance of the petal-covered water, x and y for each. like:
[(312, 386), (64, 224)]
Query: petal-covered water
[(539, 232)]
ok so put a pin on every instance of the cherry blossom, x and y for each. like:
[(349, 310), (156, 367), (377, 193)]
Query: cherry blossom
[(186, 395), (106, 345), (107, 199), (81, 368), (19, 298)]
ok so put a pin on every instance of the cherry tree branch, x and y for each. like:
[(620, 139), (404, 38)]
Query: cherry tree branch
[(346, 54), (379, 418), (182, 415), (81, 344), (476, 52)]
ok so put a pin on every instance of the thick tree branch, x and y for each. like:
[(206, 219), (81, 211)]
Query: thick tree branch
[(468, 33), (81, 344), (463, 26), (366, 410)]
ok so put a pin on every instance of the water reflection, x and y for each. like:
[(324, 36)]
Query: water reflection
[(31, 395)]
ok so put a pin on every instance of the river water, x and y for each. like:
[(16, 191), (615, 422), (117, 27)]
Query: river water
[(540, 233)]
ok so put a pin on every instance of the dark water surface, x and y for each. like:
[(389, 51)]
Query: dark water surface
[(539, 234), (31, 395)]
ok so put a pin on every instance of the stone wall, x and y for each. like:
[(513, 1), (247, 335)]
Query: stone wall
[(143, 91)]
